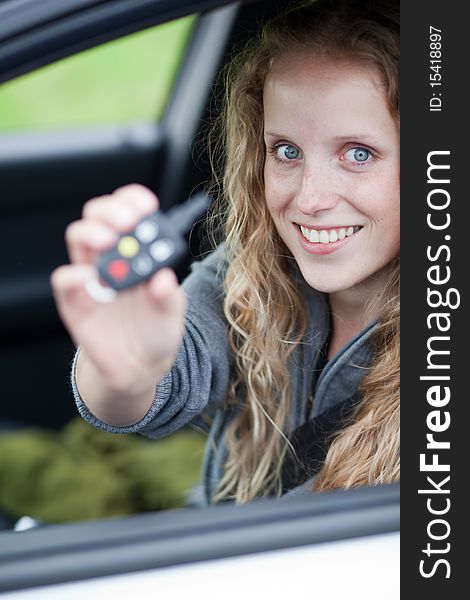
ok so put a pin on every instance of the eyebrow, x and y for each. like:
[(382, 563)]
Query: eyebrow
[(272, 134), (340, 138), (357, 137)]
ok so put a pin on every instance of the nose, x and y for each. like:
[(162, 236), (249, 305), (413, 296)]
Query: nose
[(317, 192)]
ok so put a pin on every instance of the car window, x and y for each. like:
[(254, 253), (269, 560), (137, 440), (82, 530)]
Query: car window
[(86, 471), (124, 80)]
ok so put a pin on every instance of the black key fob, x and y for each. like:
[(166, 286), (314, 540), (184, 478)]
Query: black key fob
[(155, 243)]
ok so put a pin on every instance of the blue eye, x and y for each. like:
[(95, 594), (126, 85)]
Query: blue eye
[(359, 155), (285, 151)]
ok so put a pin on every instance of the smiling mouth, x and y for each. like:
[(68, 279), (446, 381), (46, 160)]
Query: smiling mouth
[(330, 235)]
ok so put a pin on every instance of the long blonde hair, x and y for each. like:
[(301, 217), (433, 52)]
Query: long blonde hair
[(265, 312)]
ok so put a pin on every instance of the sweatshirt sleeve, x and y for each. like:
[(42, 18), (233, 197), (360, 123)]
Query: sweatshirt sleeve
[(199, 376)]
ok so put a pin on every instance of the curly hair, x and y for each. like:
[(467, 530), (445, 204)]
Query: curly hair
[(264, 310)]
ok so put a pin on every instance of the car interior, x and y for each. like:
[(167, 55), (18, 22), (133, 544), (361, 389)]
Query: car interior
[(46, 175)]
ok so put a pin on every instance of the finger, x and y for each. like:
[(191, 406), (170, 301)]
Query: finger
[(68, 287), (108, 211), (138, 197), (123, 209), (166, 292), (67, 280), (86, 239)]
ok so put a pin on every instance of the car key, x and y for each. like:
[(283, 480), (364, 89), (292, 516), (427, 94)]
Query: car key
[(156, 242)]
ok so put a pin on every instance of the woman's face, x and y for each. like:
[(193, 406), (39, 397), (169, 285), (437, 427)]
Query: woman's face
[(332, 171)]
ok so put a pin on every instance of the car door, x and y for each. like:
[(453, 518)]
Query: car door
[(344, 543)]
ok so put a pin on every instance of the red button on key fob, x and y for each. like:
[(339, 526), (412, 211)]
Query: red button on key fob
[(118, 269)]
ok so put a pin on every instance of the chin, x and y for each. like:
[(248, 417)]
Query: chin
[(324, 285), (330, 285)]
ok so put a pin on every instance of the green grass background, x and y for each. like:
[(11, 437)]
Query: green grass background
[(80, 473), (124, 80)]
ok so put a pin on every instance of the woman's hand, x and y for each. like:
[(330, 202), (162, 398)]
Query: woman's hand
[(128, 343)]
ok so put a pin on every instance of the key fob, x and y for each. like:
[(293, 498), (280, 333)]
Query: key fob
[(156, 242), (152, 245)]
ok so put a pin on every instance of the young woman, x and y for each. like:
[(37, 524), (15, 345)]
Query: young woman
[(286, 337)]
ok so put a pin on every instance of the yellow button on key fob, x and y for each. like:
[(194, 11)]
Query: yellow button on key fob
[(128, 246)]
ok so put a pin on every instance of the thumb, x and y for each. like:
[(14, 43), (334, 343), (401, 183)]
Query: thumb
[(166, 292)]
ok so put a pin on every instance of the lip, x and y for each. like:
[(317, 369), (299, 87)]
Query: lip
[(326, 227), (318, 247)]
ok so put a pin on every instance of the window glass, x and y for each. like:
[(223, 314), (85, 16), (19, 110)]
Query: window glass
[(124, 80)]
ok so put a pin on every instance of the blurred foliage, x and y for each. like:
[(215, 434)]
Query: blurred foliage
[(124, 80), (82, 473)]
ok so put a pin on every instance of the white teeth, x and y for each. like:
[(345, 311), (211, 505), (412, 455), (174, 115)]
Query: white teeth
[(310, 234), (328, 236), (313, 235)]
